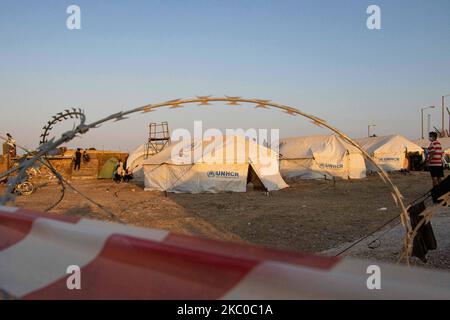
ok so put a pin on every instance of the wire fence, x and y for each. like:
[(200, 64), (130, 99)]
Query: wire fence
[(48, 146)]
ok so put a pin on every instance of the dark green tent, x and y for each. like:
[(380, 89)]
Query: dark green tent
[(108, 168)]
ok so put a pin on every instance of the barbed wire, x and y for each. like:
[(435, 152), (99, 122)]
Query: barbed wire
[(61, 116), (47, 164), (83, 128)]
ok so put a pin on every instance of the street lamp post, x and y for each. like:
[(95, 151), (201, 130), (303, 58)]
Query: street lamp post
[(421, 110), (428, 122), (368, 129), (443, 116)]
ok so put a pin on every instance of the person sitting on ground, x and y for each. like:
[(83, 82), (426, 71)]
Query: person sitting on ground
[(86, 157), (128, 175), (119, 173)]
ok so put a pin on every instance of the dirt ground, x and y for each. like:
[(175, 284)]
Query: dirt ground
[(310, 216)]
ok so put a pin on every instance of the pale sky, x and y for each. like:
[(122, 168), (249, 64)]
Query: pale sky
[(318, 56)]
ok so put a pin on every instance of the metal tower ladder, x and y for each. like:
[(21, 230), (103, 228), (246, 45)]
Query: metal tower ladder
[(159, 138)]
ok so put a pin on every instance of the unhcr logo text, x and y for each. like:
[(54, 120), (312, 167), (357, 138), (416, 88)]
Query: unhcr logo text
[(223, 174), (331, 166)]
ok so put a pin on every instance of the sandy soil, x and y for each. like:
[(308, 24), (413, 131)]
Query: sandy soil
[(310, 216), (384, 245)]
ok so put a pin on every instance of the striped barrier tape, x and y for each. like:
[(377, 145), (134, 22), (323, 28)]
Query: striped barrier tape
[(123, 262)]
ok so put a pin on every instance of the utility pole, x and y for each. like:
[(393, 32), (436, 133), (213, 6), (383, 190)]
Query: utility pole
[(443, 115), (421, 110), (368, 129)]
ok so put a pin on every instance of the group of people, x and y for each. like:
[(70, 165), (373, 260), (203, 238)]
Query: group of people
[(121, 173)]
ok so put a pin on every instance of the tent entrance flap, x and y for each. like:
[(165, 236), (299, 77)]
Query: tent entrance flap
[(252, 177)]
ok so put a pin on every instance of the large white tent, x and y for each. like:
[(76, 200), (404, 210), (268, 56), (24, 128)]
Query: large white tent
[(390, 152), (213, 165), (135, 161), (315, 157), (445, 143)]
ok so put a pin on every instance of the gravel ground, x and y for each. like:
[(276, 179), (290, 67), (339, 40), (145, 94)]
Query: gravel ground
[(388, 247), (309, 216)]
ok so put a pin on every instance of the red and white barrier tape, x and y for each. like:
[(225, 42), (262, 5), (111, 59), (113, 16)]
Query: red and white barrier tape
[(122, 262)]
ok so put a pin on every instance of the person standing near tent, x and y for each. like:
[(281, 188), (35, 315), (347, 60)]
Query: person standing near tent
[(77, 159), (434, 159)]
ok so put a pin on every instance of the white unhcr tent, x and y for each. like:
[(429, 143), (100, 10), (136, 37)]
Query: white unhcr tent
[(214, 165), (316, 157), (134, 162), (445, 143), (389, 152)]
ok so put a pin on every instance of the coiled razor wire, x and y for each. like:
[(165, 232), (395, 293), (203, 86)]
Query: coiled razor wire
[(50, 145), (47, 164), (61, 116)]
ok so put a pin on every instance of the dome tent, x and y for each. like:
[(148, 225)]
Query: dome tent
[(136, 159), (315, 157), (445, 143), (215, 165), (389, 152), (107, 171)]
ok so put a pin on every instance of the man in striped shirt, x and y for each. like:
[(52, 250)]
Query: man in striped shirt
[(434, 159)]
